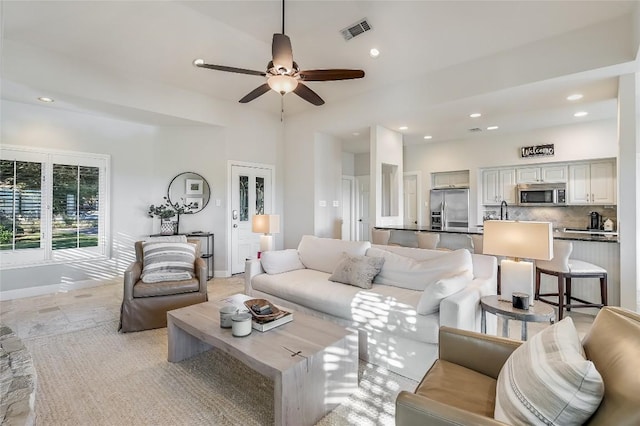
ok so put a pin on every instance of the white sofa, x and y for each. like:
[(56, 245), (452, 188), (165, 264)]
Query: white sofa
[(391, 332)]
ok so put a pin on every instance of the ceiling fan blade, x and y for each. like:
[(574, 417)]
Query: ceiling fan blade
[(282, 52), (258, 91), (231, 69), (308, 95), (329, 75)]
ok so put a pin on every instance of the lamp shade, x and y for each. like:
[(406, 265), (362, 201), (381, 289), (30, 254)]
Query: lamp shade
[(266, 223), (519, 239)]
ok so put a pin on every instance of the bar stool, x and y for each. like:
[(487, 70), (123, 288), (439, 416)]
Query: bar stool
[(428, 240), (380, 236), (565, 269)]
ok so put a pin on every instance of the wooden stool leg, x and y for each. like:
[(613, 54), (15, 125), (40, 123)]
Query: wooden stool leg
[(568, 292), (603, 289), (560, 296), (537, 292)]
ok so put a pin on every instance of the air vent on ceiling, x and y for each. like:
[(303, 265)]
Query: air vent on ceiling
[(475, 129), (356, 29)]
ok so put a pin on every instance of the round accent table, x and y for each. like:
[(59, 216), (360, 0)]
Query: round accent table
[(539, 312)]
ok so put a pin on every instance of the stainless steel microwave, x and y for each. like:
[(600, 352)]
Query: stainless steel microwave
[(542, 194)]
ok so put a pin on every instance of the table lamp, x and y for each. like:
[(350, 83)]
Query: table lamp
[(517, 240), (266, 224)]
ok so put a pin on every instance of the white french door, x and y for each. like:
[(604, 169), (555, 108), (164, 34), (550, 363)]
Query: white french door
[(363, 230), (251, 194)]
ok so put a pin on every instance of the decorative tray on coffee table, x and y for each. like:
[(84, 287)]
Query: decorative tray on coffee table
[(262, 305)]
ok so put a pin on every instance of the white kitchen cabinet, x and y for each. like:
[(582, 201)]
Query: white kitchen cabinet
[(457, 179), (498, 185), (592, 183), (542, 174)]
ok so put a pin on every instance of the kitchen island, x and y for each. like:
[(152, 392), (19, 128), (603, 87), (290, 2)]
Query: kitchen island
[(598, 248)]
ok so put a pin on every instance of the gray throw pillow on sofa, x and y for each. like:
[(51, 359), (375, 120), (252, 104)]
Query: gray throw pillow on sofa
[(358, 271)]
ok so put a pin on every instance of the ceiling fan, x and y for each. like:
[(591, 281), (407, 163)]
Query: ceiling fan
[(283, 74)]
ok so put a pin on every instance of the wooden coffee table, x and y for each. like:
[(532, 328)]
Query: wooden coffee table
[(307, 386)]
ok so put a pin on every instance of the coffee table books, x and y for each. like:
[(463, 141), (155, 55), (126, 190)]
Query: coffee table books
[(261, 325)]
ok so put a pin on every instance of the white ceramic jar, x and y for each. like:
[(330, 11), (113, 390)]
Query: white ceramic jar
[(226, 313), (241, 325)]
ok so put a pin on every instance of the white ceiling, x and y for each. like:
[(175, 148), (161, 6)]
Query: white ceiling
[(156, 41)]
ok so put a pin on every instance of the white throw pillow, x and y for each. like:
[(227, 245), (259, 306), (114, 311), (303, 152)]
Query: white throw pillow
[(357, 270), (405, 272), (323, 254), (167, 261), (547, 380), (280, 261), (436, 292)]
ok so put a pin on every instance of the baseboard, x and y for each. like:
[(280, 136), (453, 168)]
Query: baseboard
[(221, 274), (48, 289)]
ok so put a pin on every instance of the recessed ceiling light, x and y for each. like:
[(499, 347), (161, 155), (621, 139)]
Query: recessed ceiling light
[(475, 115), (45, 99), (374, 53), (580, 114), (197, 62), (574, 97), (428, 137), (492, 128), (403, 127), (356, 134)]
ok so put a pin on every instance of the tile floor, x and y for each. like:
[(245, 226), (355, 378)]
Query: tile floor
[(73, 310)]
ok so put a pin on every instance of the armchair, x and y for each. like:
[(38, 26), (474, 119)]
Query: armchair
[(460, 387), (145, 305)]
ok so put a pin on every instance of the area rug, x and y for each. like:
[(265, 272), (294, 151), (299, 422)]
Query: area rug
[(97, 376)]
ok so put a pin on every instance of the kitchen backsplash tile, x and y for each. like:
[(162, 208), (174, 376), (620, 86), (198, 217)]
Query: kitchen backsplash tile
[(561, 217)]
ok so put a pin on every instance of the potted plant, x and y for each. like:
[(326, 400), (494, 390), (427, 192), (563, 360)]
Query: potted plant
[(168, 210)]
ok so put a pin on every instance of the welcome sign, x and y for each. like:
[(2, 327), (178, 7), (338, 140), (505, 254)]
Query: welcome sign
[(537, 151)]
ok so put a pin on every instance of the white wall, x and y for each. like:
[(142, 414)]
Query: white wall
[(328, 186), (577, 142), (348, 164), (144, 159)]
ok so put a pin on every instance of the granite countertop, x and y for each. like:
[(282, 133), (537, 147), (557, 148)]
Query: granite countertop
[(607, 237)]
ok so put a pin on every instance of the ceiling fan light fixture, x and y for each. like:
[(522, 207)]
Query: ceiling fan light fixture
[(282, 84)]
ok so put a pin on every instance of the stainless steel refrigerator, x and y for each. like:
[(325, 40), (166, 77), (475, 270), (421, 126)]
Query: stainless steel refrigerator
[(449, 208)]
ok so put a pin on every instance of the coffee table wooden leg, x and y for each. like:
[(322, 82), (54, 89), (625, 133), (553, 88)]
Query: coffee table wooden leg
[(182, 345), (316, 385)]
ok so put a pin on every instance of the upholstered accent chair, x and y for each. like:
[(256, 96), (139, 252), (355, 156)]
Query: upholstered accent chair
[(145, 304), (460, 387)]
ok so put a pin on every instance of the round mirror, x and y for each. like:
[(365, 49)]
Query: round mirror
[(189, 189)]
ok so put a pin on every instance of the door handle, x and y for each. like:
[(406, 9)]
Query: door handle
[(359, 220), (234, 214), (235, 225)]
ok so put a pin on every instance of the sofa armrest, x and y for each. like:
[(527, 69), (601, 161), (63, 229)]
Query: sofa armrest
[(462, 309), (252, 267), (417, 410), (131, 277), (476, 351)]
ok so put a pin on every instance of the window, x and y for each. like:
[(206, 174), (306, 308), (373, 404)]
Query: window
[(52, 206)]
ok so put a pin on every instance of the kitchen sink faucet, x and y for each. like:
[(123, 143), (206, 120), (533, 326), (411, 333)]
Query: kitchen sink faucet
[(506, 210)]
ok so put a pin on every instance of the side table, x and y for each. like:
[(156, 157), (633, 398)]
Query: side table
[(539, 312)]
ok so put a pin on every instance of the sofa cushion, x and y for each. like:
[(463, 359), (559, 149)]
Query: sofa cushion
[(384, 308), (449, 383), (357, 270), (547, 380), (165, 288), (167, 261), (323, 254), (280, 261), (406, 272), (435, 293)]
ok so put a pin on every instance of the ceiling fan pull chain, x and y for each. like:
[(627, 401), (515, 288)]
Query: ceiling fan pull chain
[(281, 108)]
